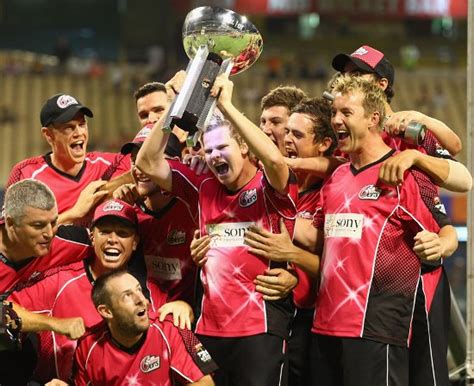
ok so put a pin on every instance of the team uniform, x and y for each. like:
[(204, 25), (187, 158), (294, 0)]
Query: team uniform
[(71, 243), (166, 236), (64, 293), (231, 307), (304, 297), (67, 188), (163, 351), (369, 276), (430, 331)]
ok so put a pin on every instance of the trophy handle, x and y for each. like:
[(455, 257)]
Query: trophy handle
[(210, 105)]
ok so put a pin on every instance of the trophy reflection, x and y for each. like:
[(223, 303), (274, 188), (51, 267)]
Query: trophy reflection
[(217, 41)]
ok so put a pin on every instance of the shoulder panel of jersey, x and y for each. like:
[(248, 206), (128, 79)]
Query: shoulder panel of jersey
[(192, 344), (25, 169)]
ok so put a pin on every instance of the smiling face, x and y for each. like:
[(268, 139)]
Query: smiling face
[(225, 157), (350, 122), (114, 242), (128, 307), (35, 230), (68, 141), (300, 137), (273, 122)]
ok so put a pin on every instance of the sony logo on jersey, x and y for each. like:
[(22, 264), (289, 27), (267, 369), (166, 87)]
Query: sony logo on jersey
[(113, 206), (150, 363), (229, 234), (343, 225), (305, 214), (163, 268), (176, 237), (202, 353), (247, 198), (370, 192)]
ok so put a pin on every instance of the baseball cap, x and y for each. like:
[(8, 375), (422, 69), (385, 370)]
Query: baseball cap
[(173, 147), (367, 59), (116, 208), (61, 108)]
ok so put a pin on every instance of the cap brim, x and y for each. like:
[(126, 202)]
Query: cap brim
[(70, 113), (129, 146), (340, 61), (117, 218)]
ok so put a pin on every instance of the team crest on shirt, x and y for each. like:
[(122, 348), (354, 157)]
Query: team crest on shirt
[(441, 151), (305, 214), (202, 353), (370, 192), (247, 198), (150, 363), (176, 237)]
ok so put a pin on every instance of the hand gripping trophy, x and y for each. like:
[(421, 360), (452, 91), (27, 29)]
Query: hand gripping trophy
[(217, 41)]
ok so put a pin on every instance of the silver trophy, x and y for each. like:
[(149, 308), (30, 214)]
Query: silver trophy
[(217, 41)]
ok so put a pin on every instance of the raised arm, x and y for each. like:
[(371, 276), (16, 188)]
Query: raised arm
[(276, 170), (319, 166), (151, 157), (446, 137)]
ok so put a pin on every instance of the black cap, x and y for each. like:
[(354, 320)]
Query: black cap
[(61, 108), (366, 59)]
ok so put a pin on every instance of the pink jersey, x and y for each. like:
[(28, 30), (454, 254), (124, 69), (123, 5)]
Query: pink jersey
[(64, 293), (163, 352), (369, 272), (305, 293), (166, 237), (66, 188), (231, 307), (70, 244)]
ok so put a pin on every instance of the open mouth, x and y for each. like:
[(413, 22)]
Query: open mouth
[(221, 168), (342, 135), (112, 254), (141, 313), (78, 145), (291, 153)]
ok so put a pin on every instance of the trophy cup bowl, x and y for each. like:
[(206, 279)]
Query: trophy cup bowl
[(225, 33), (216, 40)]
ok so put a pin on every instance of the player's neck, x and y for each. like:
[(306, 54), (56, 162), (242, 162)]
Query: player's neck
[(10, 249), (66, 166), (124, 339), (373, 150), (157, 201), (306, 180), (248, 172)]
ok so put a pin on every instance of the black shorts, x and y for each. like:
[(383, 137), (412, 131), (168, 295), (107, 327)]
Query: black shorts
[(247, 361), (357, 362), (298, 347), (430, 330)]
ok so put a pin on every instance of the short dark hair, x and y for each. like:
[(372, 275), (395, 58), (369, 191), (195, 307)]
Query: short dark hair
[(287, 96), (149, 88), (100, 294), (319, 111)]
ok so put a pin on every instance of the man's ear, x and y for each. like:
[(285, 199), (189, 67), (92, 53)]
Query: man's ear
[(9, 222), (374, 120), (244, 149), (104, 311), (136, 241), (46, 132), (383, 83), (324, 144)]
